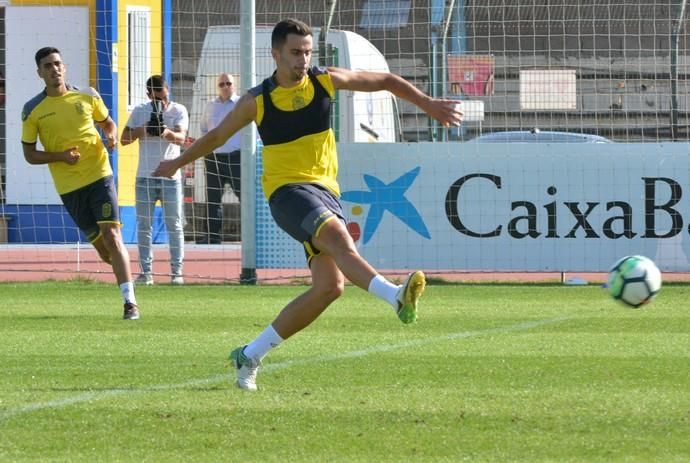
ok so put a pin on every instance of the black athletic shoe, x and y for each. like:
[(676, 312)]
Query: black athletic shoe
[(131, 311)]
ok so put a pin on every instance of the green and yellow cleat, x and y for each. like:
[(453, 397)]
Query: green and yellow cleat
[(409, 295)]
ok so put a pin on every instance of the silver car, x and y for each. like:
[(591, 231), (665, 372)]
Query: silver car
[(538, 136)]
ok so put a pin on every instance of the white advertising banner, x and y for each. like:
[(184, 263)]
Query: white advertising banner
[(515, 207)]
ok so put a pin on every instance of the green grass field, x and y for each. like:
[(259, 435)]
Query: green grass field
[(491, 373)]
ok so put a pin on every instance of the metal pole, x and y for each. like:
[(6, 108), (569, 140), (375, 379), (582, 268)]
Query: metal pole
[(674, 70), (433, 91), (324, 55), (444, 60), (248, 169), (437, 13)]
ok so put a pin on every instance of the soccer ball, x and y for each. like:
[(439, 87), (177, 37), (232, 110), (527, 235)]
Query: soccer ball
[(634, 280)]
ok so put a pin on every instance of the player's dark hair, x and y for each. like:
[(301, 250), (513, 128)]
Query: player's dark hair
[(285, 27), (43, 52), (155, 83)]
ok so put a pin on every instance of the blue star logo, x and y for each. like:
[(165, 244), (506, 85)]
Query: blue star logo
[(388, 197)]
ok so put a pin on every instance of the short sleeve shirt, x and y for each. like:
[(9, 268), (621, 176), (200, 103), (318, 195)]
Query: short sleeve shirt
[(153, 149), (66, 121)]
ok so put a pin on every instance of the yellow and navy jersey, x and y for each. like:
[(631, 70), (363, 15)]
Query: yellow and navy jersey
[(294, 125), (61, 122)]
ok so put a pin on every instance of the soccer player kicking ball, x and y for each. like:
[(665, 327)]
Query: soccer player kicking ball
[(292, 112), (63, 118)]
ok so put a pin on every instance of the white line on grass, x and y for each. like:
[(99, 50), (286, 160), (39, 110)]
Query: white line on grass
[(100, 395)]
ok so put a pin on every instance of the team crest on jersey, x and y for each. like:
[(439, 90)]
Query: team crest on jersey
[(298, 103), (79, 106), (107, 210)]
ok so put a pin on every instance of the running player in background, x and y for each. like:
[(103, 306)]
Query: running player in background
[(63, 118)]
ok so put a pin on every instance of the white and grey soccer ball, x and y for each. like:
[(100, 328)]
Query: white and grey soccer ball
[(634, 281)]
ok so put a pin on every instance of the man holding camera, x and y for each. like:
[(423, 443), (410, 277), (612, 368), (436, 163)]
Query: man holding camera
[(161, 128)]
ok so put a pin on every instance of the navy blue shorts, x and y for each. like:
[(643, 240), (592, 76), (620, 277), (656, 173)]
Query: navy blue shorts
[(302, 209), (93, 204)]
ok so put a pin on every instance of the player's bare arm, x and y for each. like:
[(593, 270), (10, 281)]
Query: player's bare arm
[(33, 156), (176, 135), (447, 112), (130, 135), (110, 131), (243, 114)]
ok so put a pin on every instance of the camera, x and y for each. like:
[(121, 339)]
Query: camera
[(155, 125)]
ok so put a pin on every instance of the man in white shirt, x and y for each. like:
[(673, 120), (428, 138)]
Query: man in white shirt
[(223, 165), (161, 127)]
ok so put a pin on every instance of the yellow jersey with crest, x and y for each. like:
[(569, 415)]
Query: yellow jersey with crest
[(297, 149), (61, 122)]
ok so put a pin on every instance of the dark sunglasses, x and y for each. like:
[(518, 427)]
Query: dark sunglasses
[(225, 84)]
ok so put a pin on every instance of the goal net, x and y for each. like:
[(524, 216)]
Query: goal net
[(573, 151)]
